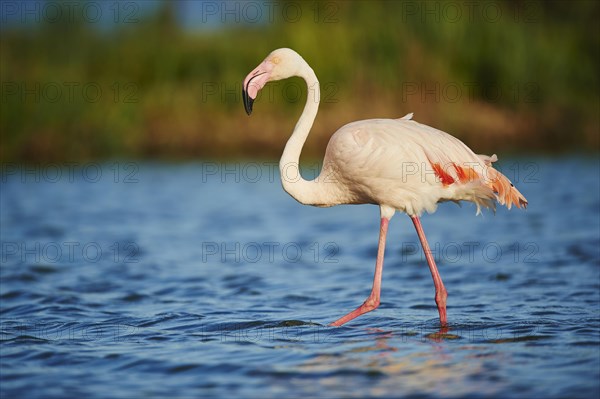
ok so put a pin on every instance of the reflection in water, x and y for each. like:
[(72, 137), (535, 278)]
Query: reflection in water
[(410, 364)]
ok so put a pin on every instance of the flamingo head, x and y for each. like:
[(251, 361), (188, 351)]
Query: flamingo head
[(280, 64)]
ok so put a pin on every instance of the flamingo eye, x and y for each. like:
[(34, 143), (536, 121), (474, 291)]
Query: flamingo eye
[(275, 60)]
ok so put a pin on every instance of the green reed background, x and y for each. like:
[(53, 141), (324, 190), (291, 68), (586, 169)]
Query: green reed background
[(518, 76)]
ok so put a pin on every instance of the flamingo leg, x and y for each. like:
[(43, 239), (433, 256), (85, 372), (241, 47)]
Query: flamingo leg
[(440, 291), (372, 302)]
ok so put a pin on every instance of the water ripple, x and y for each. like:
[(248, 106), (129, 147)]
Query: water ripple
[(175, 319)]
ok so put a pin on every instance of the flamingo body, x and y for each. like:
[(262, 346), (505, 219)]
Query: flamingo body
[(410, 167), (398, 164)]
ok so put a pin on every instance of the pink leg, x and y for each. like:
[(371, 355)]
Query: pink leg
[(372, 302), (440, 291)]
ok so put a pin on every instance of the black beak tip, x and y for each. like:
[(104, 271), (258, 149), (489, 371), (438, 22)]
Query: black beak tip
[(247, 102)]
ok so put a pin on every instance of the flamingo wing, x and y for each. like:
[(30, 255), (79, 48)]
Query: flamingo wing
[(412, 167)]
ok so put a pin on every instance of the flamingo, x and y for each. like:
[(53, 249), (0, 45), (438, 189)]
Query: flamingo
[(398, 164)]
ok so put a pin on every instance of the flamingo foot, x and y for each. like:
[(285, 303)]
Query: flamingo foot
[(369, 305), (440, 300)]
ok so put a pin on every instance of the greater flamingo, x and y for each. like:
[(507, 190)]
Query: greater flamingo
[(398, 164)]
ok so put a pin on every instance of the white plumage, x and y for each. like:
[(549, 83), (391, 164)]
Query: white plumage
[(398, 164)]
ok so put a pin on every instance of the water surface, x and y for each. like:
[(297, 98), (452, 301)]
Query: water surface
[(203, 280)]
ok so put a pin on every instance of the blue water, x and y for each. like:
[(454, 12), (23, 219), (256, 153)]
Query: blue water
[(206, 280)]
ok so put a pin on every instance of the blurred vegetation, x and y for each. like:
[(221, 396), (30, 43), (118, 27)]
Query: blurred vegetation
[(525, 80)]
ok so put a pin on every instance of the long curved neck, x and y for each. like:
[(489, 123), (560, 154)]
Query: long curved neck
[(306, 192)]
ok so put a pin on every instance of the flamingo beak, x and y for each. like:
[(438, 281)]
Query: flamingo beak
[(248, 101), (255, 81)]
